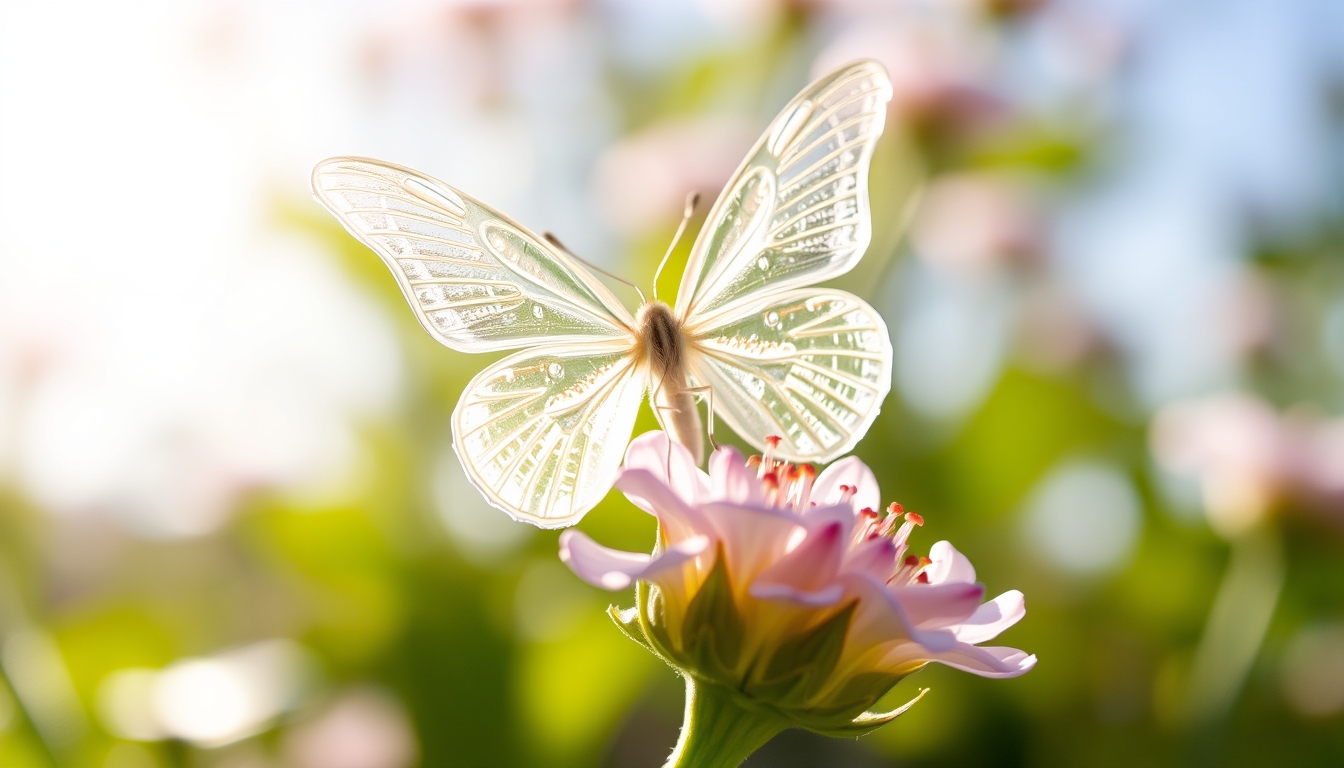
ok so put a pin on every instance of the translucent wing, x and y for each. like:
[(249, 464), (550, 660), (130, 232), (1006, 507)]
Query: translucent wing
[(541, 433), (809, 365), (796, 212), (477, 281)]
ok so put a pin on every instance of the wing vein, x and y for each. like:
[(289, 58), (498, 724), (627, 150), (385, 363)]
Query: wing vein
[(820, 205), (850, 122)]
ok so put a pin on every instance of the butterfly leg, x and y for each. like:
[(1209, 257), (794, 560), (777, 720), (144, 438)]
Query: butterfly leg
[(658, 409)]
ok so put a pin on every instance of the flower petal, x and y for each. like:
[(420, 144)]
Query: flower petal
[(935, 606), (753, 537), (992, 618), (807, 573), (657, 452), (732, 480), (875, 557), (820, 516), (949, 566), (646, 491), (854, 473), (881, 619), (614, 569), (820, 598), (992, 661)]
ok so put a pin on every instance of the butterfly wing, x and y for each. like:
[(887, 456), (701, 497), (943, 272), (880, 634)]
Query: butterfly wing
[(541, 433), (810, 365), (796, 212), (477, 281)]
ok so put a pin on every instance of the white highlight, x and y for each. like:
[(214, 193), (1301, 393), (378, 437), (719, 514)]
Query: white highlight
[(209, 701), (1084, 517)]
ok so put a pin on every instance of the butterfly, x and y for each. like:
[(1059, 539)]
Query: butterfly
[(541, 433)]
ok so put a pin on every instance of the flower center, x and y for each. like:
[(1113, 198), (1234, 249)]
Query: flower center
[(785, 485), (789, 486)]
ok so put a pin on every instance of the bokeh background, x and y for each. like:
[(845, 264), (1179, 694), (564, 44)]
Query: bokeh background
[(1109, 241)]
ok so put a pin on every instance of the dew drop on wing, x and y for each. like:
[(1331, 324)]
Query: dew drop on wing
[(555, 370), (772, 319), (537, 311), (763, 263)]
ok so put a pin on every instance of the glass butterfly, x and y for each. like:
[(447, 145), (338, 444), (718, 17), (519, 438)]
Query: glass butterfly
[(541, 433)]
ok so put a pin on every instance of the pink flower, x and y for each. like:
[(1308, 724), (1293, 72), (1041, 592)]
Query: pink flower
[(790, 588)]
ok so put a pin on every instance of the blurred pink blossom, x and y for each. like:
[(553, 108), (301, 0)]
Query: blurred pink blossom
[(939, 61), (799, 549), (364, 728), (1249, 459), (644, 180), (973, 222)]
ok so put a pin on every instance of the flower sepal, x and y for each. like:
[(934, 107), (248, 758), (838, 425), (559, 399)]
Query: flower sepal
[(801, 665), (712, 631), (866, 722), (627, 620)]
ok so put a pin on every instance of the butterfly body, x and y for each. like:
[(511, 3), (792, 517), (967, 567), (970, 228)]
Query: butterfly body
[(662, 344), (541, 432)]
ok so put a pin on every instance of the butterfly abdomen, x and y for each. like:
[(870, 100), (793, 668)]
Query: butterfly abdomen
[(662, 346)]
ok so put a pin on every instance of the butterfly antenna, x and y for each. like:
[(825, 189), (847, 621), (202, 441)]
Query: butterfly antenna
[(692, 200), (555, 241)]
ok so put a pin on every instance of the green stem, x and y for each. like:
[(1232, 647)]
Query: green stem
[(718, 731)]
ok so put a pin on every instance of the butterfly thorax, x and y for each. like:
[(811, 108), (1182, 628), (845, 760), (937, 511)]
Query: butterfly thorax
[(661, 345)]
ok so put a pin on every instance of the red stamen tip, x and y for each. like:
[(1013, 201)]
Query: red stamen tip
[(753, 461), (771, 479), (915, 518), (868, 512), (807, 469), (773, 441), (912, 560), (894, 509), (922, 578)]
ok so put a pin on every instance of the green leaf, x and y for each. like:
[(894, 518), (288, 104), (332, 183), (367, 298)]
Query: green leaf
[(713, 631), (801, 664), (868, 721)]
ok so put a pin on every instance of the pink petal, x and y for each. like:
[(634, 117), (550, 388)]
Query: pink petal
[(880, 617), (820, 516), (807, 574), (992, 661), (678, 519), (821, 598), (949, 566), (650, 451), (935, 606), (732, 480), (992, 618), (875, 557), (752, 537), (854, 473), (613, 569)]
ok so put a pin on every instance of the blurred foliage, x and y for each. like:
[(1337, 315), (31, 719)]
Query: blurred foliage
[(507, 660)]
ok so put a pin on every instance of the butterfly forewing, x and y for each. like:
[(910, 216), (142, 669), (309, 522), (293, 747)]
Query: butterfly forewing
[(809, 365), (541, 433), (796, 212), (476, 280)]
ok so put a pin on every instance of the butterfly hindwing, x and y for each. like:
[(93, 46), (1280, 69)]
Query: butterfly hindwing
[(541, 433), (809, 365), (477, 281), (796, 212)]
